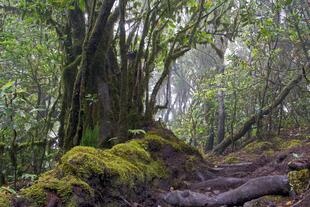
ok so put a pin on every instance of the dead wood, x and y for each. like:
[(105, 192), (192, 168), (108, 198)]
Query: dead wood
[(254, 188)]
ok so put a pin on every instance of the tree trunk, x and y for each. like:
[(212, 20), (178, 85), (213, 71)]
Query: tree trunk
[(221, 112), (73, 42)]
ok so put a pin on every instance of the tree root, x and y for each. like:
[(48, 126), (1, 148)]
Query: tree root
[(254, 188)]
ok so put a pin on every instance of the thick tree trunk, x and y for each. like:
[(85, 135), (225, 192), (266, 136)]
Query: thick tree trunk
[(83, 114), (252, 120), (254, 188)]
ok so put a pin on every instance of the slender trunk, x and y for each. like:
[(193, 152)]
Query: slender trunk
[(221, 117), (280, 119)]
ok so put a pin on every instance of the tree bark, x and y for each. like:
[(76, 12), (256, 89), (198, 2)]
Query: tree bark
[(221, 112)]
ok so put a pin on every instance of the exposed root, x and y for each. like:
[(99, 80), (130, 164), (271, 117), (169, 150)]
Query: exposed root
[(254, 188)]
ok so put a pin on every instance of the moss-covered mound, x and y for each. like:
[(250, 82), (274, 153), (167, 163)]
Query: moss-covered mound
[(128, 172), (4, 198), (269, 147), (258, 147), (299, 180)]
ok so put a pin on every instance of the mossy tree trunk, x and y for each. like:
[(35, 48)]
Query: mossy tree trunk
[(73, 36)]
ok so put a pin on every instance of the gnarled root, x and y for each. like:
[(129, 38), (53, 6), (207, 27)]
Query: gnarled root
[(254, 188)]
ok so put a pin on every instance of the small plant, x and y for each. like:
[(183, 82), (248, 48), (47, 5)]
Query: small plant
[(90, 137), (7, 189), (136, 131), (30, 177)]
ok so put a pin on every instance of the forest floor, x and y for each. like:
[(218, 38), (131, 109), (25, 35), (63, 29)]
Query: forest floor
[(267, 157), (189, 179)]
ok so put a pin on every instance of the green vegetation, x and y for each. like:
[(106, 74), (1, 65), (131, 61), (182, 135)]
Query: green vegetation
[(4, 198), (230, 159), (90, 137), (258, 147), (63, 187)]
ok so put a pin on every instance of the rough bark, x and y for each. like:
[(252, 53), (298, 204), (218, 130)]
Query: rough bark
[(73, 42), (254, 188), (253, 119)]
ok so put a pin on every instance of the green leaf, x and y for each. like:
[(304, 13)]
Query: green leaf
[(8, 189), (7, 85), (288, 2), (136, 131), (82, 4)]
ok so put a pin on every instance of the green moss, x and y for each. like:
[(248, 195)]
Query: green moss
[(177, 144), (290, 144), (128, 163), (231, 159), (63, 187), (258, 147), (4, 199), (299, 180), (269, 152), (270, 200), (120, 169), (2, 146)]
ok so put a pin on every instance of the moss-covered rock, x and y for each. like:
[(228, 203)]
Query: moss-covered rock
[(299, 180), (230, 159), (288, 144), (258, 147), (63, 187), (4, 199), (89, 176)]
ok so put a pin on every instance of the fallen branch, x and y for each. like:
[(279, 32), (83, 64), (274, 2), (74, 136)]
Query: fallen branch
[(254, 188)]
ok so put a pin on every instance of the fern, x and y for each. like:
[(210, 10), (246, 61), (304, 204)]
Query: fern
[(136, 131), (90, 137)]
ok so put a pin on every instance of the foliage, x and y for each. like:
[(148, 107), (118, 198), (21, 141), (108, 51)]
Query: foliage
[(268, 50), (29, 84)]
